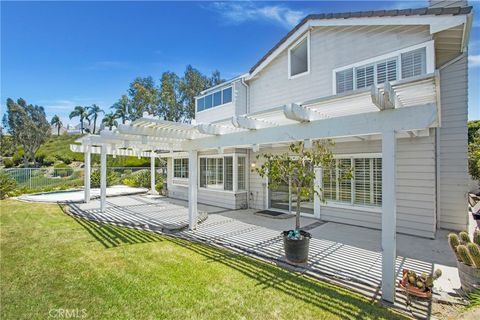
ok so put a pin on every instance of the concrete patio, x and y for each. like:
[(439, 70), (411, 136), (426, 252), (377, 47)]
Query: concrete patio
[(347, 255)]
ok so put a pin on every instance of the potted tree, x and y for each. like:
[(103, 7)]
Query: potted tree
[(468, 259), (296, 168)]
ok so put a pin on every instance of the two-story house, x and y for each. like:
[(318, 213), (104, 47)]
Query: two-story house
[(329, 63), (388, 87)]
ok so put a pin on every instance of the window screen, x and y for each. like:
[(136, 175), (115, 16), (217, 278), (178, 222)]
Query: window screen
[(241, 173), (228, 173)]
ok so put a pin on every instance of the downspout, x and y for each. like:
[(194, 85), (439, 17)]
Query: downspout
[(247, 110)]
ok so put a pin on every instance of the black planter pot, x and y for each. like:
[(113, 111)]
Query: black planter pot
[(296, 251)]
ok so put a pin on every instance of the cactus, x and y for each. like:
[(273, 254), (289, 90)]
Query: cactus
[(464, 256), (437, 274), (474, 253), (476, 236), (464, 237), (453, 242), (429, 282), (420, 285)]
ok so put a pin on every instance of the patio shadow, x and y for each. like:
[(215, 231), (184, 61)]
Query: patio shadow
[(111, 236), (335, 300)]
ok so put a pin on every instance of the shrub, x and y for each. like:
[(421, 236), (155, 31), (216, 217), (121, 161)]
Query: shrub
[(7, 185), (62, 170), (65, 158), (8, 162), (95, 178), (141, 178), (48, 161)]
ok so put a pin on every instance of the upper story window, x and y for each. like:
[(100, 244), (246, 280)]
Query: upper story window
[(413, 63), (299, 57), (214, 99), (399, 65)]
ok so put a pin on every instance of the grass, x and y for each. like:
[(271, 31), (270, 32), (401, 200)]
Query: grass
[(51, 261)]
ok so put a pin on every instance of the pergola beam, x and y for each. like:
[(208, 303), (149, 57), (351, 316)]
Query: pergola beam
[(300, 113), (212, 129), (160, 133), (402, 119), (250, 123)]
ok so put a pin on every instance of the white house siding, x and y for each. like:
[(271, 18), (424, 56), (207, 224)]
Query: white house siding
[(237, 106), (416, 213), (331, 47), (453, 175)]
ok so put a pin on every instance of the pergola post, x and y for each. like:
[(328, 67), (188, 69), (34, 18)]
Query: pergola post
[(192, 190), (318, 183), (152, 173), (103, 178), (389, 215), (86, 174)]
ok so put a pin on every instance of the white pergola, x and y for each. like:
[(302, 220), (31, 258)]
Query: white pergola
[(404, 108)]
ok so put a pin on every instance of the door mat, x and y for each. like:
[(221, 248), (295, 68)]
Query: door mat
[(274, 214)]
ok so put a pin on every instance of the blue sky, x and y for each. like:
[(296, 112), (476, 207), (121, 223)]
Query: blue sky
[(62, 54)]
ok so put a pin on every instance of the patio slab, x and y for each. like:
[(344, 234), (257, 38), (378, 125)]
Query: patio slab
[(349, 255)]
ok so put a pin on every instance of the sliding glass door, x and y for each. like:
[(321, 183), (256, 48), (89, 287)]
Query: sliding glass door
[(279, 198)]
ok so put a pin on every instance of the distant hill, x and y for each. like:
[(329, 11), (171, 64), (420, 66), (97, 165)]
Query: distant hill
[(57, 149)]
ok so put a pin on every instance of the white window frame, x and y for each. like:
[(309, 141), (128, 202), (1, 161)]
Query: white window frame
[(235, 173), (175, 181), (211, 93), (293, 46), (352, 205), (429, 62)]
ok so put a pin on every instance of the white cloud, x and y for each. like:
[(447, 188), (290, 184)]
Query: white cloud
[(239, 12), (474, 61)]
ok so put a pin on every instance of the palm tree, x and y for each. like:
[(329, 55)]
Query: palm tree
[(121, 108), (94, 111), (57, 123), (110, 120), (80, 112)]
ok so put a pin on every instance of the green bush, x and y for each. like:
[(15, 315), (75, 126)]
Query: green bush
[(95, 178), (48, 161), (8, 162), (63, 170), (7, 185), (65, 158), (141, 178)]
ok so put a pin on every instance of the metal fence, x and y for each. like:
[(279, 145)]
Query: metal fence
[(38, 178)]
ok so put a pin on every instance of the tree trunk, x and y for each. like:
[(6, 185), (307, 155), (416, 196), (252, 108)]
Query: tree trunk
[(94, 123), (58, 131), (81, 125), (297, 217)]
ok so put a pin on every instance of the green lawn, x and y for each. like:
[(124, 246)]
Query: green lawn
[(52, 261)]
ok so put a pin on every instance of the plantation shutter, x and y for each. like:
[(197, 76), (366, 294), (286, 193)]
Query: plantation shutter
[(387, 71), (364, 76), (362, 175), (344, 80), (414, 63), (228, 173)]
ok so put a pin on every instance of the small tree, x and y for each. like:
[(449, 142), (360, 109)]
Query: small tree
[(296, 168)]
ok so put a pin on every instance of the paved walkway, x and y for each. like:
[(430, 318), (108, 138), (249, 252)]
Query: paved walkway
[(347, 254)]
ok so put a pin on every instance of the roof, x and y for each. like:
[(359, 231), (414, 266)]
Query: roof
[(366, 14)]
